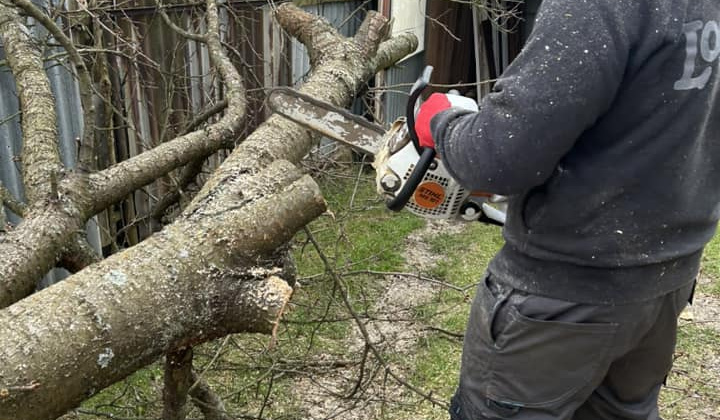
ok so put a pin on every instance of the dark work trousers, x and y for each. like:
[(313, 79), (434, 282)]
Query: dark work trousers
[(528, 357)]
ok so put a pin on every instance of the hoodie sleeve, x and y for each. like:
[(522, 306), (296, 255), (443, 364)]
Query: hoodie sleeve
[(564, 79)]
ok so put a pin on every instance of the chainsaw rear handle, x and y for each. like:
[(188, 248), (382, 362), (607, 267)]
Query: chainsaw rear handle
[(427, 154)]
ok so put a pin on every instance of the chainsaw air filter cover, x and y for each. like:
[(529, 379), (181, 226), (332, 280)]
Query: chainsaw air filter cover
[(438, 196)]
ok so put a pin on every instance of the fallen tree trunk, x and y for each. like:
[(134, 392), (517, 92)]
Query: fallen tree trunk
[(202, 277), (182, 286)]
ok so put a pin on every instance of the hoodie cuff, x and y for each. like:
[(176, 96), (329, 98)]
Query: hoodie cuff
[(440, 123)]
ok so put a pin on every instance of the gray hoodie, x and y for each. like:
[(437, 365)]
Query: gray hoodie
[(605, 132)]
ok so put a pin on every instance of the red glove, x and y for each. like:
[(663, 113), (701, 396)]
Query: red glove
[(436, 103)]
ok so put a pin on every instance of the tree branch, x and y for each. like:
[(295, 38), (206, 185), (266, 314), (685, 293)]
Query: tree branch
[(10, 202), (207, 401), (342, 69), (143, 169), (87, 148), (190, 282), (177, 380), (340, 284), (78, 254), (40, 155), (174, 27), (373, 31), (190, 171), (35, 245), (187, 176)]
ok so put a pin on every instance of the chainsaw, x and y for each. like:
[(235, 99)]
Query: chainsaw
[(408, 176)]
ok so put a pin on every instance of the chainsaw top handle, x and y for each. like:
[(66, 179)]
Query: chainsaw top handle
[(417, 89), (427, 154)]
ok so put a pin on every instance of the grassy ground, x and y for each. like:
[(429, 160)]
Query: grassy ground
[(318, 347), (693, 388)]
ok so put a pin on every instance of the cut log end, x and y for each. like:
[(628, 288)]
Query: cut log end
[(260, 306)]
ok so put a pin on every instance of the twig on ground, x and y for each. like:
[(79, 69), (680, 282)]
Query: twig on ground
[(363, 330)]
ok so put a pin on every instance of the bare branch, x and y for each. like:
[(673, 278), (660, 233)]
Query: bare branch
[(190, 172), (84, 79), (179, 294), (40, 155), (504, 14), (186, 34), (116, 182), (387, 52), (34, 246), (78, 254), (340, 284), (178, 379), (374, 30), (10, 202), (207, 401), (205, 115)]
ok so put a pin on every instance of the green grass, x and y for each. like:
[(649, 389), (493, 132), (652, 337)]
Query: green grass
[(692, 387), (465, 256), (136, 396), (361, 237), (365, 236), (711, 266)]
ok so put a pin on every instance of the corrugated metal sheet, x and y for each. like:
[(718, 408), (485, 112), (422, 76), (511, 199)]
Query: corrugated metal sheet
[(10, 169), (347, 16), (398, 81)]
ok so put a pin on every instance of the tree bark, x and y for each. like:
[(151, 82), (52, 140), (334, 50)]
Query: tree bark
[(40, 154), (209, 404), (182, 286), (177, 382), (84, 79)]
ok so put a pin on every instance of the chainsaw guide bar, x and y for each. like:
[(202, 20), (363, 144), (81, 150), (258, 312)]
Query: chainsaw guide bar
[(328, 120)]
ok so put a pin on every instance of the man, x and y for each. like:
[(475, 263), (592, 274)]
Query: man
[(605, 133)]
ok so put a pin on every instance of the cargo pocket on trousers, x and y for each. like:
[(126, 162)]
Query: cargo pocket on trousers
[(539, 363), (479, 343)]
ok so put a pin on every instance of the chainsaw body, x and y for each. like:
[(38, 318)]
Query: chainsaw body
[(438, 195)]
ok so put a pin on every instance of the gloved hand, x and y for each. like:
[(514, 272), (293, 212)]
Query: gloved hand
[(436, 103)]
